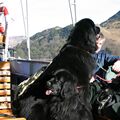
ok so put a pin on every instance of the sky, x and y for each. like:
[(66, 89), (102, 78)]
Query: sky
[(44, 14)]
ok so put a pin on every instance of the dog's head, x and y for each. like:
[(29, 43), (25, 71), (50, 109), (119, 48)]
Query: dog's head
[(67, 97), (83, 35), (63, 84)]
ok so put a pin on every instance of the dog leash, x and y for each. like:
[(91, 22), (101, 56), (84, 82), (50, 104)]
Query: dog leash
[(108, 81), (97, 76)]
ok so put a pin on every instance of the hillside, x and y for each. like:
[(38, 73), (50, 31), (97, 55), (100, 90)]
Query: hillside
[(111, 30), (112, 22), (47, 43)]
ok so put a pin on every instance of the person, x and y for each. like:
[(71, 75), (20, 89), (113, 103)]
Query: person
[(3, 9), (105, 94), (4, 15), (103, 59)]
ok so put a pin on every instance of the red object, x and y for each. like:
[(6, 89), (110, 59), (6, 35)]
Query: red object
[(4, 10), (2, 29)]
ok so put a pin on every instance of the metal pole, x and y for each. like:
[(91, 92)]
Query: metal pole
[(23, 16), (71, 12), (75, 11), (28, 39)]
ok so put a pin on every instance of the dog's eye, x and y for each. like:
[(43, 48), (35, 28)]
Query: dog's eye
[(51, 81), (48, 83)]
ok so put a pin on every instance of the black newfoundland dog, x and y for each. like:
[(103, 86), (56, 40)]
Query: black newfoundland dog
[(61, 91)]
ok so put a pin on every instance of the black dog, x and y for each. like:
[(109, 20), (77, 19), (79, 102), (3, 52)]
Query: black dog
[(61, 91)]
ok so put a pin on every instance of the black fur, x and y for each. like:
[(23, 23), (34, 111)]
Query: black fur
[(67, 78)]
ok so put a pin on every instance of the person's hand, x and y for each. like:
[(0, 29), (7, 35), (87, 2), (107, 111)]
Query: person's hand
[(116, 66)]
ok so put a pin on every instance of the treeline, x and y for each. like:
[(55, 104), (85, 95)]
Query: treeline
[(45, 44)]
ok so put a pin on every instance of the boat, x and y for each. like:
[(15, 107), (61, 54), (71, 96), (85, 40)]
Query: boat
[(12, 72)]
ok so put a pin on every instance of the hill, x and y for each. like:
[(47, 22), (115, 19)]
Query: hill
[(111, 30), (47, 43), (112, 22)]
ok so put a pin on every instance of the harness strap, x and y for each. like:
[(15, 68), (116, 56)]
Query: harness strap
[(108, 81)]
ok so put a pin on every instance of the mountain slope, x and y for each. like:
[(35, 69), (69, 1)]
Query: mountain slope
[(111, 30), (112, 22), (47, 43)]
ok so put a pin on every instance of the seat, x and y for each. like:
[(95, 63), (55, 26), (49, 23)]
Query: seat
[(5, 92)]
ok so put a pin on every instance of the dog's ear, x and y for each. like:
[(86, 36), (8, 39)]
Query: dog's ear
[(68, 83), (68, 89)]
